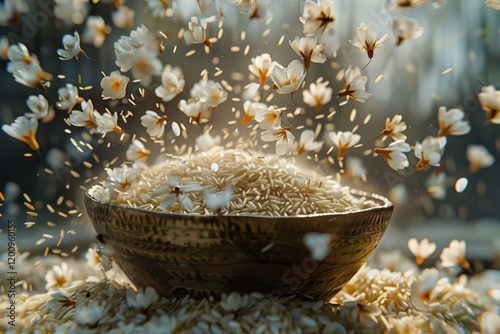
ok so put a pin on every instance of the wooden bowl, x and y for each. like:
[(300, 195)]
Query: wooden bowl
[(182, 253)]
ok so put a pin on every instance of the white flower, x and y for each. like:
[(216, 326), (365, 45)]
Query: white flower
[(355, 169), (33, 76), (343, 140), (397, 6), (354, 85), (283, 137), (197, 31), (206, 142), (317, 16), (318, 94), (435, 185), (158, 8), (495, 4), (24, 129), (87, 117), (68, 97), (11, 11), (154, 124), (232, 302), (454, 255), (107, 123), (393, 154), (90, 314), (209, 92), (451, 122), (422, 250), (172, 83), (219, 200), (114, 86), (19, 57), (39, 106), (100, 193), (430, 151), (307, 142), (318, 244), (71, 11), (478, 157), (243, 5), (405, 29), (394, 128), (58, 277), (197, 110), (59, 301), (95, 30), (331, 41), (250, 109), (72, 49), (269, 117), (163, 324), (145, 64), (422, 288), (490, 101), (366, 39), (176, 192), (260, 67), (137, 151), (141, 299), (308, 48), (123, 17), (121, 177), (288, 79)]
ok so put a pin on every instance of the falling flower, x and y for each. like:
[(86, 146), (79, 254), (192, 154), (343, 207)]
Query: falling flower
[(86, 117), (451, 122), (355, 169), (145, 65), (11, 11), (206, 142), (405, 29), (318, 244), (19, 57), (317, 16), (197, 110), (209, 92), (307, 143), (436, 186), (154, 124), (366, 39), (114, 86), (197, 31), (454, 255), (90, 314), (71, 11), (72, 49), (32, 75), (121, 177), (176, 192), (288, 79), (397, 6), (354, 85), (283, 137), (490, 101), (58, 277), (141, 299), (430, 151), (243, 5), (158, 8), (269, 117), (308, 48), (216, 201), (250, 109), (172, 83), (318, 94), (422, 250), (136, 151), (232, 302), (68, 97), (95, 31), (495, 4), (261, 66), (478, 157), (344, 140), (394, 154), (331, 41), (24, 129), (38, 105), (123, 17), (394, 128), (422, 288), (100, 193)]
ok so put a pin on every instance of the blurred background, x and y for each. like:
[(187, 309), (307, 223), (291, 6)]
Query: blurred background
[(416, 80)]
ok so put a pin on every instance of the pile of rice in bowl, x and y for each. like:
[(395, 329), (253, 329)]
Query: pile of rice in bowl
[(229, 182)]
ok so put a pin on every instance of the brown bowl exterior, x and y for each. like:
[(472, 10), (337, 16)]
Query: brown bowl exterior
[(181, 253)]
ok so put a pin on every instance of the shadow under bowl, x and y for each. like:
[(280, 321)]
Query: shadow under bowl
[(181, 253)]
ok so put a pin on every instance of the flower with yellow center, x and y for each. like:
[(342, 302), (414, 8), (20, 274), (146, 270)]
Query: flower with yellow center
[(24, 129), (115, 85)]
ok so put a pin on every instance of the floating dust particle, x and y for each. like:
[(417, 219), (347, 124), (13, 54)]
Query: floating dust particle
[(28, 155), (448, 70), (29, 224), (355, 128), (32, 214), (175, 49), (266, 32), (72, 232), (367, 119), (190, 53), (180, 34), (75, 174), (246, 50), (27, 198), (352, 117), (267, 247), (243, 35), (74, 249), (46, 252), (51, 224), (40, 241), (29, 206), (87, 164), (62, 214), (48, 236), (282, 38), (73, 212), (60, 199), (61, 76), (48, 171), (56, 251), (367, 152)]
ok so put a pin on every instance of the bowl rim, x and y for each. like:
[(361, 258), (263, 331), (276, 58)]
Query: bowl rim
[(386, 206)]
